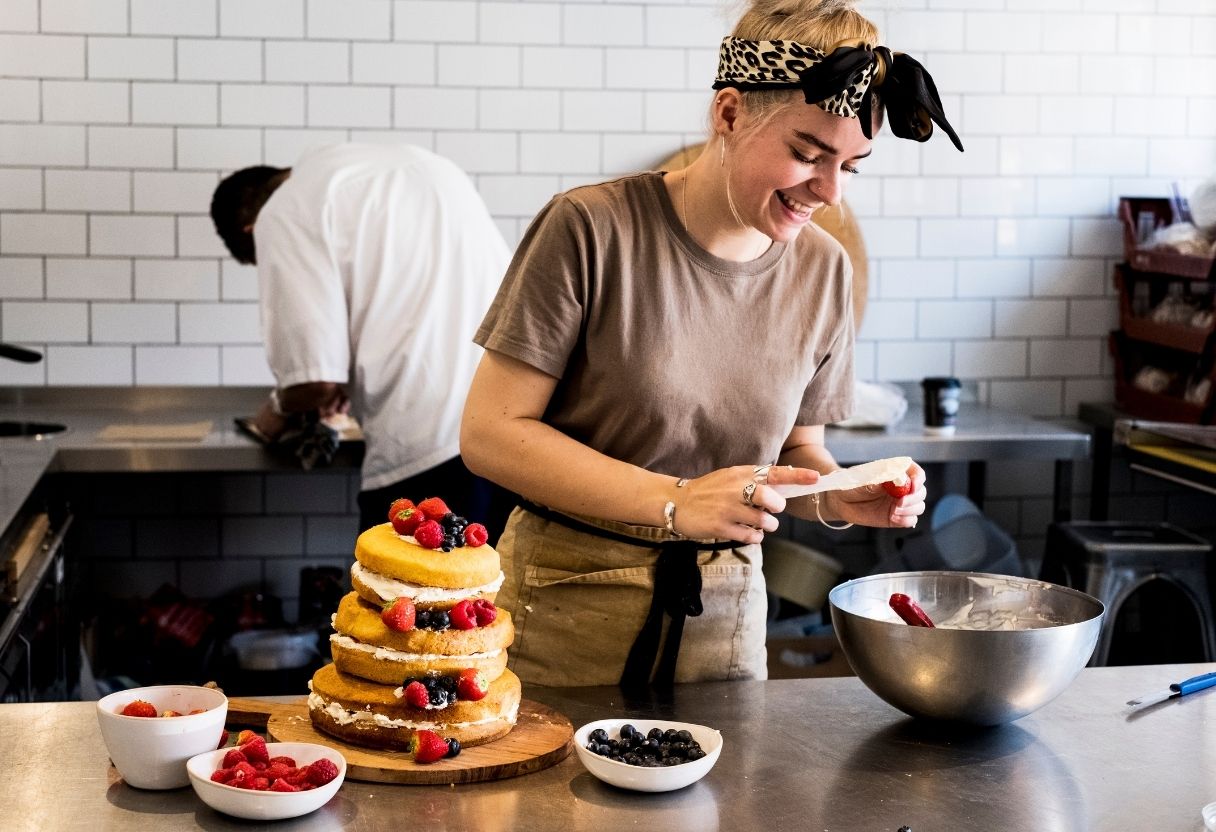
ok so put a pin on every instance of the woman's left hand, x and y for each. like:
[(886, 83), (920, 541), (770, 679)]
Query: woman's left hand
[(871, 505)]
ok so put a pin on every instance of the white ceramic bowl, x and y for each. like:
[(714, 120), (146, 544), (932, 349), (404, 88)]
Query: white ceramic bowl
[(639, 778), (151, 752), (254, 805)]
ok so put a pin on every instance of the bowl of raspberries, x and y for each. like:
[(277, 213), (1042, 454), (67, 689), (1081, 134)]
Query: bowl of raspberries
[(647, 755), (151, 732), (259, 780)]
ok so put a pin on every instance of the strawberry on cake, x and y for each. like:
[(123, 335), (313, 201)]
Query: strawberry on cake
[(418, 645)]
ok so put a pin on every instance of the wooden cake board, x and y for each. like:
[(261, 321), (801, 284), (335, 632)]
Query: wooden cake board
[(542, 737)]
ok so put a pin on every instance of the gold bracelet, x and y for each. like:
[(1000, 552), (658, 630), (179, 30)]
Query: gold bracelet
[(815, 500)]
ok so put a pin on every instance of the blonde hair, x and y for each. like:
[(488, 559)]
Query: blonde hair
[(822, 24)]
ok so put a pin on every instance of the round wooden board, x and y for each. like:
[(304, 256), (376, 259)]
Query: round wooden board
[(542, 737)]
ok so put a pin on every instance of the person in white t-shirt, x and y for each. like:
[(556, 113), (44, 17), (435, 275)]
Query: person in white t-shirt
[(375, 265)]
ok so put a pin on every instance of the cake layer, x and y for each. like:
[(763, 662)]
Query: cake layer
[(366, 713), (382, 550), (361, 621), (390, 667), (364, 646), (380, 589)]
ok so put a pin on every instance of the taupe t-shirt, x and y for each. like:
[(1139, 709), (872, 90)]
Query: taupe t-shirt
[(666, 356)]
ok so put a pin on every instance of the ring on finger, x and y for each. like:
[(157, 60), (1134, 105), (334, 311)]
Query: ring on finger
[(760, 474), (749, 491)]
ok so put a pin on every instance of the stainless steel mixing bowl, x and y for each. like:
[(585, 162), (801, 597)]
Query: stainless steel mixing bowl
[(1042, 635)]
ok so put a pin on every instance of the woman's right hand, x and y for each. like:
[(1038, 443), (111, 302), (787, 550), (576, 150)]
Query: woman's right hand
[(714, 506)]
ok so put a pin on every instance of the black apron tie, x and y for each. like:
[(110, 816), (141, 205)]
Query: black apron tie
[(677, 593)]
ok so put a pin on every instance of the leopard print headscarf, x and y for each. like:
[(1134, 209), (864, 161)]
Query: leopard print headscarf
[(840, 83)]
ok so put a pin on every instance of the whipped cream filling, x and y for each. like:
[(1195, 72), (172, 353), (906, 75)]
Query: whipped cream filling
[(385, 654), (389, 588), (344, 716)]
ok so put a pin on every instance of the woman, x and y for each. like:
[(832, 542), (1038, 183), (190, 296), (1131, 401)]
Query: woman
[(661, 337)]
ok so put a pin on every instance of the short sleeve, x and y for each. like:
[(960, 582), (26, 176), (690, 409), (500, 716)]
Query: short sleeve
[(538, 315), (829, 395)]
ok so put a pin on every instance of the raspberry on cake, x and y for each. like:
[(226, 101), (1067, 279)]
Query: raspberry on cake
[(419, 645)]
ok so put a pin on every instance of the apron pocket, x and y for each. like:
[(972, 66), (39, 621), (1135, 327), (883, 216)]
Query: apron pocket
[(579, 626), (727, 640)]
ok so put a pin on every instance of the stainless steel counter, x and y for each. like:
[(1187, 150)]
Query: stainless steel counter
[(813, 754), (87, 412)]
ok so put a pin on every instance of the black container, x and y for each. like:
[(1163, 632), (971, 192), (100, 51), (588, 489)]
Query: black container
[(941, 403)]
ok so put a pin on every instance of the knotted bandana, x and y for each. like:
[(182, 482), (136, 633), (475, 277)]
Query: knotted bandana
[(841, 83)]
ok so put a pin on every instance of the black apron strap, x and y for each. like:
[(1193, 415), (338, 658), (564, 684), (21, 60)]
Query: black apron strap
[(677, 593)]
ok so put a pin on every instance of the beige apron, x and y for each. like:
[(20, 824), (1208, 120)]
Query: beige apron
[(579, 601)]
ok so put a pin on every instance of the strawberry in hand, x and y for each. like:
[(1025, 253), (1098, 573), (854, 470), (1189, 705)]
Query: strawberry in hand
[(898, 489)]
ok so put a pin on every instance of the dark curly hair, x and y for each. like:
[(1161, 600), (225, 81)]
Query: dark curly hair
[(236, 203)]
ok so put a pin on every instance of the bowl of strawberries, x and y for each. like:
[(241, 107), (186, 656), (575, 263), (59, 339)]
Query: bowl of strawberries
[(151, 732), (257, 780)]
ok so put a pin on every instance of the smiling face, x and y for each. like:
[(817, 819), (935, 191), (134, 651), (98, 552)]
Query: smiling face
[(786, 166)]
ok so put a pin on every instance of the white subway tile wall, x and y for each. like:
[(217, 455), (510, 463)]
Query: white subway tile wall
[(85, 278), (118, 117)]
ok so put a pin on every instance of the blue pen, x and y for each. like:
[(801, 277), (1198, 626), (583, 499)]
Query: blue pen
[(1175, 690)]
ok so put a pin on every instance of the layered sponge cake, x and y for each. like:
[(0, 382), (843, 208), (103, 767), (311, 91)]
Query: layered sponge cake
[(419, 643)]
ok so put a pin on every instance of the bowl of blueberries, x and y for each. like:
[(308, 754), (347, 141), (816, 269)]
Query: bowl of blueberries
[(647, 755)]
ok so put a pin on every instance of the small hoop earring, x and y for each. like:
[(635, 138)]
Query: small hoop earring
[(722, 151)]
